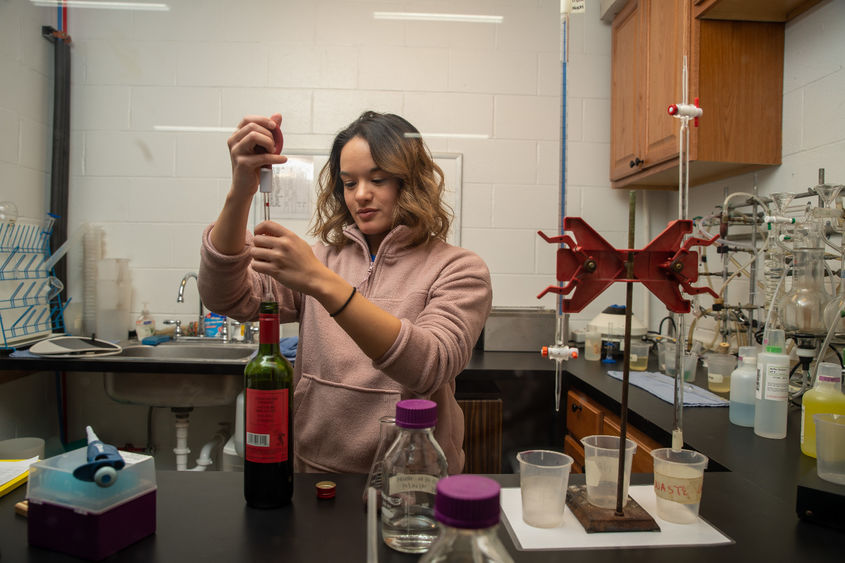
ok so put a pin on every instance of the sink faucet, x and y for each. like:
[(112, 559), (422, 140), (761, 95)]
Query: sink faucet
[(181, 299)]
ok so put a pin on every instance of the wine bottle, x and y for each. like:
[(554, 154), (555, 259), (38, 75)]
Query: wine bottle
[(268, 445)]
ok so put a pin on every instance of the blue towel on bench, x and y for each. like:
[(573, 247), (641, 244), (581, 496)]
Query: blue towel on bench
[(663, 387)]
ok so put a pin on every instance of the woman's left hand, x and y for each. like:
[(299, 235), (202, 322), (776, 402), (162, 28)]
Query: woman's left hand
[(286, 257)]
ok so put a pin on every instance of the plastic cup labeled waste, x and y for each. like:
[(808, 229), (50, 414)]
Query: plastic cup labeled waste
[(601, 466), (830, 447), (678, 479), (543, 480), (719, 369), (639, 355), (592, 346)]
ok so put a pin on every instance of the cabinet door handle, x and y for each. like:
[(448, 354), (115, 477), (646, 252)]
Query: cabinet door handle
[(636, 162), (576, 407)]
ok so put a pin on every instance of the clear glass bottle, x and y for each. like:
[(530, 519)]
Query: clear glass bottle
[(412, 467), (467, 508), (825, 397), (743, 383), (772, 387)]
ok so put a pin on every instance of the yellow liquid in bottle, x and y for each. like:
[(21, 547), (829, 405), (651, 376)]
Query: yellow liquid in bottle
[(817, 401)]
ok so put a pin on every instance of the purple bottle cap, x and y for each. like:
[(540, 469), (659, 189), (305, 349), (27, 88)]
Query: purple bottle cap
[(467, 501), (416, 413)]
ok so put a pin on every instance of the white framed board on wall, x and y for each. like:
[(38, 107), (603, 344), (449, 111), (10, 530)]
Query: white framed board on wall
[(295, 187)]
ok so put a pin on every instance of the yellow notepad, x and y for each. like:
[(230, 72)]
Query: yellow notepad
[(13, 473)]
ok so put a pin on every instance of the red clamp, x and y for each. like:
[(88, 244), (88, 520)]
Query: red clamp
[(591, 265)]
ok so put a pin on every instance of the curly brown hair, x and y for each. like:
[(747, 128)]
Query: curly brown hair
[(398, 149)]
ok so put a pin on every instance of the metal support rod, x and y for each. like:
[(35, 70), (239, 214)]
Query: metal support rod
[(60, 168), (752, 283), (626, 370)]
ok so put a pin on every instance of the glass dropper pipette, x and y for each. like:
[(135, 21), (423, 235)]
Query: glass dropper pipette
[(265, 186)]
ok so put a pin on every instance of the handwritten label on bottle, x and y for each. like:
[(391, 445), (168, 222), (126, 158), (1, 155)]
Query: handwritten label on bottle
[(266, 425), (405, 483), (683, 487)]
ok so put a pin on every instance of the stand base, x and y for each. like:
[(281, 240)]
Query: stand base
[(595, 519)]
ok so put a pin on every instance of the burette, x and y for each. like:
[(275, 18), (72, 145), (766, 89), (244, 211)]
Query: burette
[(683, 111)]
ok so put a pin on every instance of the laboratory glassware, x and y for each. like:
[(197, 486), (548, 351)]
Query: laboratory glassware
[(412, 467), (802, 308), (467, 508), (386, 437)]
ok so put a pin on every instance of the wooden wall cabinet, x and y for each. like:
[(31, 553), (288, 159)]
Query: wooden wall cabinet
[(734, 67), (585, 417)]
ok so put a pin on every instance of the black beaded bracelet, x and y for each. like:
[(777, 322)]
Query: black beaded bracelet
[(342, 307)]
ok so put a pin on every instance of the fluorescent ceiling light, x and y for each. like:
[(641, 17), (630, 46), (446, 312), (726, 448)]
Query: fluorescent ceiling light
[(192, 129), (420, 16), (447, 135), (141, 6)]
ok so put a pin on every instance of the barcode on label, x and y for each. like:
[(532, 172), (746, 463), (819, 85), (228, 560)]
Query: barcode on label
[(260, 440)]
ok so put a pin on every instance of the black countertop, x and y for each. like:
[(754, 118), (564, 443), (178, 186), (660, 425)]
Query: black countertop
[(203, 517), (749, 489)]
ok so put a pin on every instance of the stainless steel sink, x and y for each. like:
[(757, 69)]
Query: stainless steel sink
[(192, 388), (193, 352)]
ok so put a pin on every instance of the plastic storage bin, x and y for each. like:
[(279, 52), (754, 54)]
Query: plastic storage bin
[(84, 519)]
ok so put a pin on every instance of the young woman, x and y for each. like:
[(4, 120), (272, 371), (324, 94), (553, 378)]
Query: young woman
[(387, 309)]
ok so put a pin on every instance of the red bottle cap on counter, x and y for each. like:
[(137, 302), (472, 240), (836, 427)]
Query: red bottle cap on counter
[(325, 489)]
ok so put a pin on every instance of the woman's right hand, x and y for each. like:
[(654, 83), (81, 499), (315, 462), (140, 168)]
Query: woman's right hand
[(252, 146)]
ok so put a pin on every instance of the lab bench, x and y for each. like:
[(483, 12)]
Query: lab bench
[(203, 517), (749, 488)]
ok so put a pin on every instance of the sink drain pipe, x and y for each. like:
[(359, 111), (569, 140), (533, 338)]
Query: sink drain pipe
[(182, 415), (181, 450)]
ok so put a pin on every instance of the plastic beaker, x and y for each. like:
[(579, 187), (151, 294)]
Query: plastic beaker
[(386, 435), (690, 366), (678, 478), (22, 448), (830, 447), (601, 465), (639, 355), (668, 362), (543, 480), (592, 346), (719, 369)]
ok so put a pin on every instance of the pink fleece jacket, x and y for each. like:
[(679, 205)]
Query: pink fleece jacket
[(441, 293)]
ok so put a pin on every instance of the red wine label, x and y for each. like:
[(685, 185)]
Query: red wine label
[(268, 329), (266, 425)]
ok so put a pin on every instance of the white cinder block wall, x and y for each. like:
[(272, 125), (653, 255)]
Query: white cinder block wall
[(27, 405), (320, 64)]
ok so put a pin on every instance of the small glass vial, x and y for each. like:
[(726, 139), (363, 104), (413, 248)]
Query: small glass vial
[(412, 467), (467, 508)]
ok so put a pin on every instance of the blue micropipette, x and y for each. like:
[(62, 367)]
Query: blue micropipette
[(104, 461)]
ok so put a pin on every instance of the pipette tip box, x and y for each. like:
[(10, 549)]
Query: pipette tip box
[(83, 519)]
